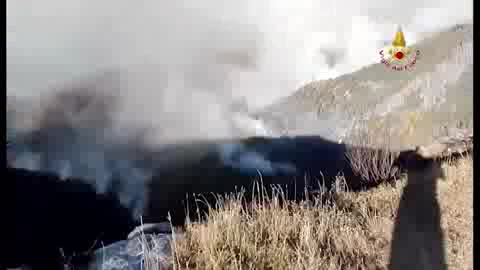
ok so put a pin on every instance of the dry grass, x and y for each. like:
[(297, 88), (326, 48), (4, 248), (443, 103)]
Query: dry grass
[(352, 233), (372, 165)]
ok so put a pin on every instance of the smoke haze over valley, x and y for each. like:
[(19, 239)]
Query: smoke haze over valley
[(100, 89)]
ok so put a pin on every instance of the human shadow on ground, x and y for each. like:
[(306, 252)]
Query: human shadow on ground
[(418, 241)]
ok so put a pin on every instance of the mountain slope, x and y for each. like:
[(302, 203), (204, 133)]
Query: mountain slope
[(413, 104)]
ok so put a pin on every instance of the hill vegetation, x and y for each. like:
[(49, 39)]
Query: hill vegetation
[(344, 230)]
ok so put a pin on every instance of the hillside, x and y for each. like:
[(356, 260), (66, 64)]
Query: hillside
[(412, 104)]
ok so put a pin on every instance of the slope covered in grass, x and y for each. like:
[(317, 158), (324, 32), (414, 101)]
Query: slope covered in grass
[(345, 231)]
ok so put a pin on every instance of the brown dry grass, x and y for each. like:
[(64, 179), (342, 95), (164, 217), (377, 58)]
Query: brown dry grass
[(354, 232), (368, 164)]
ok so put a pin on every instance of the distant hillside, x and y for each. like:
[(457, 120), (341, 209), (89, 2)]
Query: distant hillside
[(414, 104)]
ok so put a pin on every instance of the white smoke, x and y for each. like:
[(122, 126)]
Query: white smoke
[(258, 49), (251, 162), (181, 64)]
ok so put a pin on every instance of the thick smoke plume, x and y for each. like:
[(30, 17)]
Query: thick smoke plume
[(92, 84), (258, 49)]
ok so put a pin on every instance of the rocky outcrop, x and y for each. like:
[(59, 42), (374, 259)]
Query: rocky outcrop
[(130, 254)]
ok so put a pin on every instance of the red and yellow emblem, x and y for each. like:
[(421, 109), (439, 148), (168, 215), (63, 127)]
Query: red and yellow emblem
[(398, 56)]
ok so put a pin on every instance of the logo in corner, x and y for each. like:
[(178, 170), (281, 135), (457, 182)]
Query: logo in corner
[(399, 56)]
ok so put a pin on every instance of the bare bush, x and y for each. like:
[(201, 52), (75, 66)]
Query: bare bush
[(371, 158)]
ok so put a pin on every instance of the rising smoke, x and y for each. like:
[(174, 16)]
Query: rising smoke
[(148, 73)]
